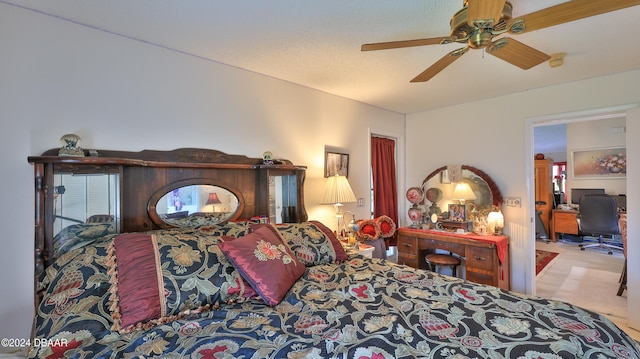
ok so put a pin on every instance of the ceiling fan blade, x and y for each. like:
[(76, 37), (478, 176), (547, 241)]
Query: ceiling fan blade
[(407, 43), (447, 60), (517, 53), (566, 12), (484, 11)]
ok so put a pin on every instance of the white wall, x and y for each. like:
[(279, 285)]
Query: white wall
[(115, 93), (495, 135)]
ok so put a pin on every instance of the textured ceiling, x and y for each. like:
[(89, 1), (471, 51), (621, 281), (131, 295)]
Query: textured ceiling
[(317, 44)]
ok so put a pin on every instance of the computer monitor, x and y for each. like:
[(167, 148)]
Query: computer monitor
[(577, 193)]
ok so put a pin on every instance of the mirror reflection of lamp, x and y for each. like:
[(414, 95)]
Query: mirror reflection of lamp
[(337, 191), (462, 192), (213, 200)]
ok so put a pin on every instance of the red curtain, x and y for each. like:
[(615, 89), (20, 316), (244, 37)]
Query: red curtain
[(385, 190)]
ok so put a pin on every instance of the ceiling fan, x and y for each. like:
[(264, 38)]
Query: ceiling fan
[(480, 21)]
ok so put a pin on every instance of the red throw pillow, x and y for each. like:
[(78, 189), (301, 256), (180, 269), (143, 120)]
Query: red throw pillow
[(369, 229), (387, 226), (265, 261)]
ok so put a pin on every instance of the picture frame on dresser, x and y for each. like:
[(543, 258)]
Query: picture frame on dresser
[(457, 212)]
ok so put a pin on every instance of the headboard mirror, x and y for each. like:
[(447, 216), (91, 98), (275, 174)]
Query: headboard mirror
[(484, 188), (189, 204), (80, 198)]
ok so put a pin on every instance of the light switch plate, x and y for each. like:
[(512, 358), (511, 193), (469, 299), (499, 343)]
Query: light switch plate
[(512, 201)]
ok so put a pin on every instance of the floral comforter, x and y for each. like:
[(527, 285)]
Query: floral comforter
[(361, 308)]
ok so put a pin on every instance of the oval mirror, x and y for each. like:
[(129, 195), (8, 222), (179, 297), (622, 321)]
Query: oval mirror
[(485, 190), (196, 205)]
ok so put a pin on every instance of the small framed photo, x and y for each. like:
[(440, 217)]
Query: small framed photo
[(457, 212), (336, 163)]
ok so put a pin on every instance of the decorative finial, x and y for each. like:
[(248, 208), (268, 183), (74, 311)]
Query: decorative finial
[(70, 146)]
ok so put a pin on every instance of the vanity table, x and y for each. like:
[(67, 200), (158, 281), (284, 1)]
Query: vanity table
[(486, 257)]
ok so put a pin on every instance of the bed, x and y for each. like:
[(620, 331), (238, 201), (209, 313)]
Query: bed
[(241, 289)]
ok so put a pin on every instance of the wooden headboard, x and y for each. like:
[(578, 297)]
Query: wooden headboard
[(144, 176)]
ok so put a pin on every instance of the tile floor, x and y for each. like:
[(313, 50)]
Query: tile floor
[(552, 276)]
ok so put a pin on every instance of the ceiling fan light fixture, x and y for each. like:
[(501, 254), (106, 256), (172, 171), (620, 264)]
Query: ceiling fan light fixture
[(480, 39), (461, 23), (479, 21)]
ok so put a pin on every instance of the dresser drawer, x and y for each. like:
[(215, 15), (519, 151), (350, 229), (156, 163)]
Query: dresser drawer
[(481, 258), (565, 222), (407, 245), (408, 260), (482, 278), (444, 245)]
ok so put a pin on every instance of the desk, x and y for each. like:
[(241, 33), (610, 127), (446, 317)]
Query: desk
[(486, 258), (563, 221)]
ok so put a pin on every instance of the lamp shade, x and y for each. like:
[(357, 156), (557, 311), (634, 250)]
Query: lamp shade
[(463, 192), (213, 199), (337, 190)]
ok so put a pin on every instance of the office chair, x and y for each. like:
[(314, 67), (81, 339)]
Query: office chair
[(599, 217)]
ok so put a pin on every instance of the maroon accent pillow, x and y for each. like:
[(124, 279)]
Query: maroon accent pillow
[(249, 292), (265, 261), (137, 255)]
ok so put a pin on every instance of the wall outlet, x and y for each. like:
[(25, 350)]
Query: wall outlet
[(512, 201)]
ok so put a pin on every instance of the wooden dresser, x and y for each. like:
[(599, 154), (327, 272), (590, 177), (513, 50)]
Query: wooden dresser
[(544, 191), (486, 258)]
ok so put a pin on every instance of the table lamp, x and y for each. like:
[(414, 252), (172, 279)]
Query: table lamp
[(213, 200), (463, 192), (337, 192)]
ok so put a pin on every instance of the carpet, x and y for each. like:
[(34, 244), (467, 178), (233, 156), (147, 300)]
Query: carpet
[(594, 290), (543, 258)]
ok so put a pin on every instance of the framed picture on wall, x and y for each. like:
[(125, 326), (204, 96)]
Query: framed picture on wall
[(336, 163), (599, 163)]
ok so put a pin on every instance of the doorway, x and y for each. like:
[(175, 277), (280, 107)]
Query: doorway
[(387, 145), (605, 129)]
